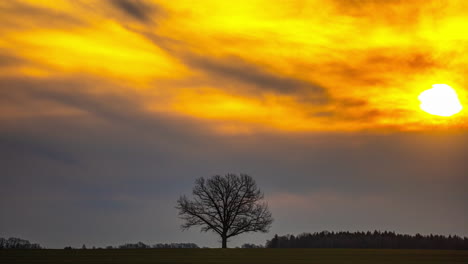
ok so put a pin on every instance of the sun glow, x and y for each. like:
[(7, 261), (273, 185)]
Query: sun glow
[(440, 100)]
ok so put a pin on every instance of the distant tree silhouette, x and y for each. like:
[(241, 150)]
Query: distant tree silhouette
[(141, 245), (227, 205), (249, 245), (138, 245), (17, 243), (368, 239), (176, 245)]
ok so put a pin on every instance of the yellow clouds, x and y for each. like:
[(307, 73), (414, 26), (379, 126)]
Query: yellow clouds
[(381, 52), (241, 114), (252, 65), (108, 51), (98, 45)]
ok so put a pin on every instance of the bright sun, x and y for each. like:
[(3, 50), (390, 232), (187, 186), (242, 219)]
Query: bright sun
[(440, 100)]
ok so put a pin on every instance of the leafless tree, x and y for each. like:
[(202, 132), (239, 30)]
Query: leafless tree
[(228, 205)]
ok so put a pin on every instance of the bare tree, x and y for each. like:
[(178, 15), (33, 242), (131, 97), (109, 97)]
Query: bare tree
[(228, 205)]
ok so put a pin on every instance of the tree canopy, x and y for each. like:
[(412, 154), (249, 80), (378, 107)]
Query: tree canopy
[(227, 205)]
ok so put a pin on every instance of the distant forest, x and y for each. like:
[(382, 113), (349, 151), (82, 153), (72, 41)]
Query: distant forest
[(323, 239), (17, 243), (141, 245), (160, 245), (374, 239)]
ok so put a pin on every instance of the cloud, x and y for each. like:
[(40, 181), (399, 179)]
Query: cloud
[(8, 60), (396, 14), (23, 147), (19, 15), (236, 69), (136, 9), (72, 93), (251, 78)]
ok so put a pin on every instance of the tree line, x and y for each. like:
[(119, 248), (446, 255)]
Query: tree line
[(17, 243), (140, 245), (376, 239)]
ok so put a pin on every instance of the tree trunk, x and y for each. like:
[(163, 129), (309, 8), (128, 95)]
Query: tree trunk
[(224, 242)]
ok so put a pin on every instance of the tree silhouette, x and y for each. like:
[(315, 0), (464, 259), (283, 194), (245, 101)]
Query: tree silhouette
[(367, 239), (228, 205)]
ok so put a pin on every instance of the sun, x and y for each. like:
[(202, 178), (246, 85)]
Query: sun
[(440, 100)]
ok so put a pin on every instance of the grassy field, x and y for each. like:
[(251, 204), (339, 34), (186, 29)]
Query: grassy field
[(244, 256)]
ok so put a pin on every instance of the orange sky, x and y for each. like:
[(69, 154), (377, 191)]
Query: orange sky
[(245, 66)]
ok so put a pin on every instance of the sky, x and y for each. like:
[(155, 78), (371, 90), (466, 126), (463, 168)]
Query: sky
[(109, 111)]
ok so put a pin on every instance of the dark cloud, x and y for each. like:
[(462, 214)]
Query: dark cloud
[(7, 60), (23, 147), (238, 70), (71, 92), (18, 15), (136, 9), (239, 76), (224, 71)]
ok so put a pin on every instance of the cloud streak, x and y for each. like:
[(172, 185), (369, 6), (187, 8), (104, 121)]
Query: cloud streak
[(237, 70), (136, 9)]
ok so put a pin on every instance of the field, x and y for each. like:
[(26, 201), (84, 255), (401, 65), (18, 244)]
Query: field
[(245, 256)]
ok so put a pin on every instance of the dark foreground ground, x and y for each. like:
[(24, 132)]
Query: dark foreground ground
[(244, 256)]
